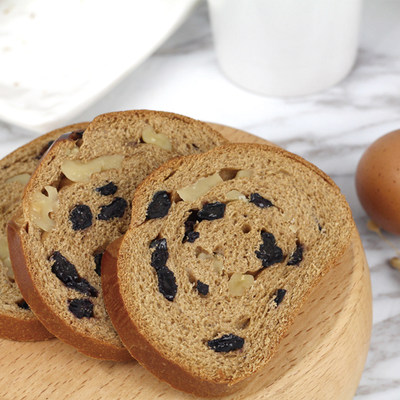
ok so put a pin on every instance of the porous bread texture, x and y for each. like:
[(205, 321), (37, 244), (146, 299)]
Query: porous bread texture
[(308, 210), (18, 323), (117, 133)]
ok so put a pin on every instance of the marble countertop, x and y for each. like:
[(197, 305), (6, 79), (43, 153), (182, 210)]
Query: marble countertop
[(330, 129)]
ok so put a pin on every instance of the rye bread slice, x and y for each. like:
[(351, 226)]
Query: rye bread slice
[(203, 294), (87, 182), (17, 321)]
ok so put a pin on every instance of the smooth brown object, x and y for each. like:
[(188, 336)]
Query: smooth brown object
[(321, 357), (378, 181)]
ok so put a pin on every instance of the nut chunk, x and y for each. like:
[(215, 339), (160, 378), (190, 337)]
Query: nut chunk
[(236, 195), (201, 187), (81, 171), (239, 283), (42, 206), (159, 139), (21, 178)]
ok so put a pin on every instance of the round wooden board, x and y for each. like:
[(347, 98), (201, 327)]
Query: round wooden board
[(321, 357)]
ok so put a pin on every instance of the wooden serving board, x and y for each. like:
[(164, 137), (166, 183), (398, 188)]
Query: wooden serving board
[(321, 357)]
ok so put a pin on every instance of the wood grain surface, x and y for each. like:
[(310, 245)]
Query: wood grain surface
[(321, 357)]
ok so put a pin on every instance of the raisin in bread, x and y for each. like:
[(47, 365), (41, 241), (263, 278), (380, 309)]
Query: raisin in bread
[(202, 291), (76, 203), (17, 322)]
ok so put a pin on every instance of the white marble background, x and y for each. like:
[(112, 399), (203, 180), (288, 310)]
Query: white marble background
[(330, 129)]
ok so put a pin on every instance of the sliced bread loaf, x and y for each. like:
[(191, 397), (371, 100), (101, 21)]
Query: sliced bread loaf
[(76, 203), (17, 322), (202, 293)]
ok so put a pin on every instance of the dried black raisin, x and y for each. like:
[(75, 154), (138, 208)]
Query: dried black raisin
[(297, 255), (202, 288), (226, 343), (211, 211), (115, 209), (107, 190), (97, 261), (81, 217), (159, 206), (269, 252), (68, 275), (166, 278), (160, 254), (166, 283), (23, 304), (280, 294), (190, 235), (44, 149), (191, 220), (259, 201), (81, 308), (78, 134), (158, 242)]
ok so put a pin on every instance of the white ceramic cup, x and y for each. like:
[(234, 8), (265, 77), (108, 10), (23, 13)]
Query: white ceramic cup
[(286, 47)]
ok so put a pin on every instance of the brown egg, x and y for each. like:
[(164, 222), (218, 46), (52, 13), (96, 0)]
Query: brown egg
[(378, 182)]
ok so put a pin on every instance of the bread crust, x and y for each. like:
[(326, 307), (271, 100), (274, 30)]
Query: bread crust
[(29, 330), (23, 330), (130, 334), (146, 355), (89, 346)]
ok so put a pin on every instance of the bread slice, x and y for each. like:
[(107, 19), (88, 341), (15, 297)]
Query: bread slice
[(76, 203), (203, 294), (17, 321)]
